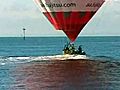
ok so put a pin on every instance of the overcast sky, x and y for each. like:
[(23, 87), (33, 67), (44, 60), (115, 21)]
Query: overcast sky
[(16, 14)]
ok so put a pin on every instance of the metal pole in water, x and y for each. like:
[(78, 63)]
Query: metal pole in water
[(24, 33)]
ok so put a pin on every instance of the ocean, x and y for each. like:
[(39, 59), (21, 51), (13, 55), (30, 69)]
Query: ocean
[(21, 69)]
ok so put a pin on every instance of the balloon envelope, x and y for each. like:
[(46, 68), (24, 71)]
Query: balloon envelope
[(69, 15)]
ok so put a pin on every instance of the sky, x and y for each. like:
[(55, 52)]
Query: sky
[(18, 14)]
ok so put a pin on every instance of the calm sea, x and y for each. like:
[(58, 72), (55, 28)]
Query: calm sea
[(19, 71)]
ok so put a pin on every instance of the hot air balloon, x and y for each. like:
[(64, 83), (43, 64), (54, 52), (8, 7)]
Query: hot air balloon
[(70, 16)]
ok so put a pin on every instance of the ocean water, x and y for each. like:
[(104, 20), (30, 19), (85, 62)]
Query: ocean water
[(20, 71)]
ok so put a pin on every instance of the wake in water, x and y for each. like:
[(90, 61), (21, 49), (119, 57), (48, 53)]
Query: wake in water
[(25, 59)]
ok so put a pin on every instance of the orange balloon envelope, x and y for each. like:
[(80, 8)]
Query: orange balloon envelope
[(69, 15)]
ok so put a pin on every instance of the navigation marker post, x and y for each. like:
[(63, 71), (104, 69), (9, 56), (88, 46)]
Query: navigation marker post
[(24, 33)]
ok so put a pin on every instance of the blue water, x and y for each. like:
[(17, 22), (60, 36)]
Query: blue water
[(39, 46), (101, 72)]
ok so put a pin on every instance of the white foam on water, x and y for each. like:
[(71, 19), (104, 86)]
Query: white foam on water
[(61, 57), (25, 59), (2, 63)]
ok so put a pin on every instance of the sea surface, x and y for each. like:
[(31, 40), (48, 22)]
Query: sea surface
[(21, 67)]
